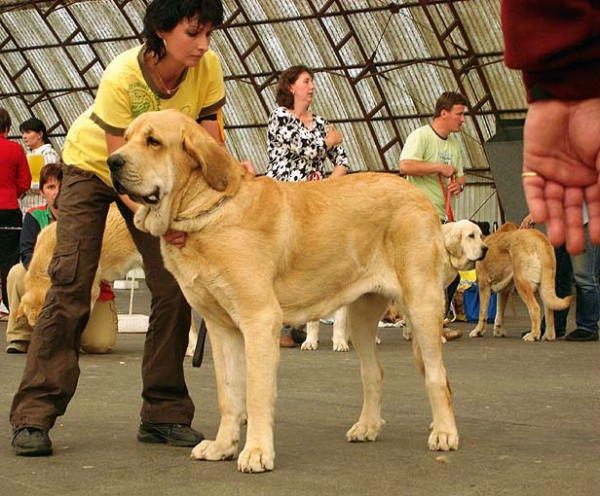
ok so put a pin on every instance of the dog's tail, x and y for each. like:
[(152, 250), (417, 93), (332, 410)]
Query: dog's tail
[(548, 285)]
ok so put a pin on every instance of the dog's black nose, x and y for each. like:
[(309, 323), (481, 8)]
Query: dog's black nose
[(115, 162), (484, 250)]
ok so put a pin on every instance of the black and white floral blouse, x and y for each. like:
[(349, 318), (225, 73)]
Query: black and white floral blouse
[(297, 153)]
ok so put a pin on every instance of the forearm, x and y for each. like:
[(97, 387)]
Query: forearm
[(339, 171), (420, 168), (29, 234)]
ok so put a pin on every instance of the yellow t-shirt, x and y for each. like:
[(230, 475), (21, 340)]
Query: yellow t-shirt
[(126, 91)]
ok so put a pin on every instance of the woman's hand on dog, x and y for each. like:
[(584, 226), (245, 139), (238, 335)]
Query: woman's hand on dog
[(175, 238)]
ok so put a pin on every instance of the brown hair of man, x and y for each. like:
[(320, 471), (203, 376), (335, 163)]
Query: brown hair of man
[(283, 96), (447, 100), (49, 171)]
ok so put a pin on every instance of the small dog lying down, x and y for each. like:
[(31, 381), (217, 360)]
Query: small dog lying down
[(118, 256), (464, 245), (521, 258)]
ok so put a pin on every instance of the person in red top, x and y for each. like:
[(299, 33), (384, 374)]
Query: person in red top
[(556, 44), (15, 180)]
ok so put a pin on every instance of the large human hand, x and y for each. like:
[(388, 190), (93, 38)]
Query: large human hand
[(562, 146)]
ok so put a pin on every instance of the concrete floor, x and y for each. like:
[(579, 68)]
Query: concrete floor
[(527, 414)]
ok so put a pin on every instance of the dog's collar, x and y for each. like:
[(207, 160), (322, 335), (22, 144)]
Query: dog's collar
[(192, 213)]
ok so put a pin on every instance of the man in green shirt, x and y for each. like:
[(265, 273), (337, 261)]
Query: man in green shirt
[(432, 160)]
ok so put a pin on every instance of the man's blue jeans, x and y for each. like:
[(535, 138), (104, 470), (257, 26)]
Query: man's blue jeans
[(584, 270)]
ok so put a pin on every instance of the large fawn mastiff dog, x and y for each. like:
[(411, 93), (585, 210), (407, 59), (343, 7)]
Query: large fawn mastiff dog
[(260, 253)]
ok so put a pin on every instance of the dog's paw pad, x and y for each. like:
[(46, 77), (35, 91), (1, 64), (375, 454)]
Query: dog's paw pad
[(443, 441), (256, 460), (343, 346), (213, 451), (361, 432)]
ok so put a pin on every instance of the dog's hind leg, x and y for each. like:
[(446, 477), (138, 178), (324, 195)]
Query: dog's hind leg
[(503, 296), (550, 332), (363, 316), (227, 346), (484, 300), (424, 313), (526, 292), (312, 336), (340, 330)]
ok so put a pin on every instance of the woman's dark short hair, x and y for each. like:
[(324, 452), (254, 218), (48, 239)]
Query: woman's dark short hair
[(164, 15), (5, 121), (36, 126), (284, 97), (447, 100), (49, 171)]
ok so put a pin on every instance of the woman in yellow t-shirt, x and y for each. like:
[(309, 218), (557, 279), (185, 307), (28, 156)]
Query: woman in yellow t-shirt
[(175, 68)]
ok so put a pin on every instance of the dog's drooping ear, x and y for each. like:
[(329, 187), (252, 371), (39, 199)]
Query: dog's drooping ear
[(452, 239), (214, 160)]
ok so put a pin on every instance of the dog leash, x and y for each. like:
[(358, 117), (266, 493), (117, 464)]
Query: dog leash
[(199, 351), (447, 193)]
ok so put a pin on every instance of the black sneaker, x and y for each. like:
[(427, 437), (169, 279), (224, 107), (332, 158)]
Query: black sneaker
[(31, 441), (17, 347), (582, 335), (172, 434)]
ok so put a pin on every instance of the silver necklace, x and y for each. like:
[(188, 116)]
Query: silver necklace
[(165, 87)]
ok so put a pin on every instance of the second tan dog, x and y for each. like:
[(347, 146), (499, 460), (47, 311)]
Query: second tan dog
[(259, 253), (118, 256), (465, 247), (521, 258)]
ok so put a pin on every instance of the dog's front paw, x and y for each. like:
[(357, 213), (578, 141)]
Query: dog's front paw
[(254, 460), (476, 333), (310, 345), (365, 431), (443, 441), (531, 336), (499, 332), (213, 451), (341, 346)]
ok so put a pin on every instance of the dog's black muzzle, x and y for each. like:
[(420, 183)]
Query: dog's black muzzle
[(115, 164), (484, 250)]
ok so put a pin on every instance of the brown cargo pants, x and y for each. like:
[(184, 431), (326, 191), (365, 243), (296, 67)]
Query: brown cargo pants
[(52, 369)]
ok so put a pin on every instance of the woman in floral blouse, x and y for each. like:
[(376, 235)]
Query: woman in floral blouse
[(299, 142)]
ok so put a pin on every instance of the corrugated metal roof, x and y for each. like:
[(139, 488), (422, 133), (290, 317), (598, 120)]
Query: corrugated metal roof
[(379, 66)]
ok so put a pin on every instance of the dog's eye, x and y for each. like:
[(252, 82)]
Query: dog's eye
[(151, 141), (471, 235)]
